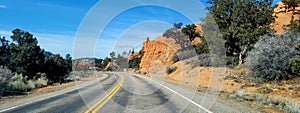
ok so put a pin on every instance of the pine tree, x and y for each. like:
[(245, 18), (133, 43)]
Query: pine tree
[(241, 23)]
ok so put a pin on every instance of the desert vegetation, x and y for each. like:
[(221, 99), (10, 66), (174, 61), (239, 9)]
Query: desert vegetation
[(25, 66)]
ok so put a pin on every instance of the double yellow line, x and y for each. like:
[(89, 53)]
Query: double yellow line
[(104, 100)]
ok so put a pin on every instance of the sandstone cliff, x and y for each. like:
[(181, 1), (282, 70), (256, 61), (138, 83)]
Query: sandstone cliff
[(134, 55), (283, 17), (161, 50)]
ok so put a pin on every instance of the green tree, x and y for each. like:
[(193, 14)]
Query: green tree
[(241, 23), (55, 68), (177, 25), (112, 55), (26, 55), (177, 35), (122, 62), (4, 52), (295, 62), (98, 63), (190, 31), (132, 52), (291, 3), (68, 63), (135, 63), (295, 25)]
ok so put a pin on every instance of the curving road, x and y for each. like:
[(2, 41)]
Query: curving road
[(122, 93)]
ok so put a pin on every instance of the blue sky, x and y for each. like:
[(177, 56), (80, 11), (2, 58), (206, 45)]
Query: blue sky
[(55, 23)]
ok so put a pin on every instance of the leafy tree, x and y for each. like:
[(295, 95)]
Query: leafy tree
[(68, 63), (4, 51), (121, 62), (202, 48), (177, 25), (177, 35), (295, 25), (190, 31), (98, 63), (132, 52), (26, 55), (112, 55), (241, 23), (55, 68), (135, 63)]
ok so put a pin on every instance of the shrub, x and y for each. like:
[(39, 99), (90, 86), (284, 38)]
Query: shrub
[(171, 69), (291, 108), (184, 54), (205, 59), (41, 82), (175, 58), (71, 77), (295, 66), (202, 47), (17, 77), (134, 63), (3, 82), (17, 85), (30, 85), (5, 73), (295, 63), (3, 85), (271, 55)]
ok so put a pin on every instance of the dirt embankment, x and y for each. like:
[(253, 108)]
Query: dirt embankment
[(267, 97)]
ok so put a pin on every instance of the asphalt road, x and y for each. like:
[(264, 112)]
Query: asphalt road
[(124, 93)]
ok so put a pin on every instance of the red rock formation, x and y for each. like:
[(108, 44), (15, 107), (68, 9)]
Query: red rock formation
[(284, 16), (159, 50)]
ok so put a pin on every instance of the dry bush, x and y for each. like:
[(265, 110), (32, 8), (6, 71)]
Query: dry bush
[(271, 55)]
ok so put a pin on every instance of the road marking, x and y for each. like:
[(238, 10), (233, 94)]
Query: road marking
[(96, 107), (191, 101), (41, 99)]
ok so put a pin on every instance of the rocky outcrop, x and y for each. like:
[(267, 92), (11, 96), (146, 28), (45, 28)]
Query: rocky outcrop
[(159, 50), (283, 17), (134, 55), (108, 66)]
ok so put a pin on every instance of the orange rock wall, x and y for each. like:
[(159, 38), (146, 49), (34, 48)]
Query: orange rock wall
[(284, 17), (160, 50)]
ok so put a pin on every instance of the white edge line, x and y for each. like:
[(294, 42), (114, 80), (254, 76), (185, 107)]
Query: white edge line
[(191, 101), (41, 99)]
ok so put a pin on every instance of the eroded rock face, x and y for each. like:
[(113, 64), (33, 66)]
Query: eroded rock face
[(109, 65), (159, 50), (134, 55), (284, 16)]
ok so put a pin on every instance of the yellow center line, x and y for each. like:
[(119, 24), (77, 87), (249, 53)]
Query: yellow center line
[(96, 107), (107, 99)]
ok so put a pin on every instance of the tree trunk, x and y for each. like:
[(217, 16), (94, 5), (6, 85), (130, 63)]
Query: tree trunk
[(242, 53)]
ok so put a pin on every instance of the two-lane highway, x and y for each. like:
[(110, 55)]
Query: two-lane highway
[(68, 100), (122, 93)]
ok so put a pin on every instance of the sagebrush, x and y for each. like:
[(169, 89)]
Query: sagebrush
[(271, 55)]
